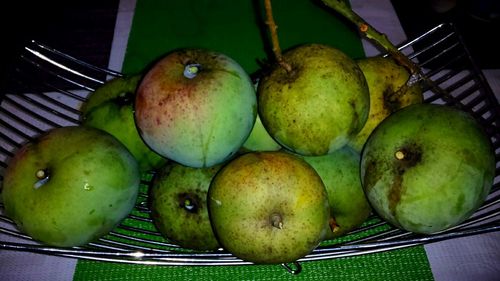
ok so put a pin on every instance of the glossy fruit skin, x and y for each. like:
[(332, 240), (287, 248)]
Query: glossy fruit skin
[(427, 167), (387, 84), (268, 207), (92, 185), (349, 206), (197, 121), (319, 105), (111, 108), (179, 205)]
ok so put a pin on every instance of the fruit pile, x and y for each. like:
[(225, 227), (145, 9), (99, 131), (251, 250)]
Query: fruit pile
[(266, 170)]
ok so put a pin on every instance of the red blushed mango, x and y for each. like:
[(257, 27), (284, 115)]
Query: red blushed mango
[(196, 107)]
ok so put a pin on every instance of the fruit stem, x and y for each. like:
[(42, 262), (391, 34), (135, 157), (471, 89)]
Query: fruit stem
[(188, 202), (188, 205), (43, 176), (400, 155), (381, 40), (274, 37), (276, 221), (334, 227), (371, 33), (191, 70)]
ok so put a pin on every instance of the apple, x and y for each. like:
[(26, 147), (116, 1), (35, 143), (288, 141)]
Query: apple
[(110, 108), (70, 186), (317, 106), (196, 107), (179, 205), (427, 167), (389, 92), (268, 207), (339, 171), (259, 139)]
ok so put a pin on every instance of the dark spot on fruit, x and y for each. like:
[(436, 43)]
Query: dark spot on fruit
[(411, 155), (405, 157), (191, 61), (457, 208), (372, 175), (334, 226), (326, 76), (124, 99), (468, 156), (395, 193), (269, 249), (355, 117), (391, 101)]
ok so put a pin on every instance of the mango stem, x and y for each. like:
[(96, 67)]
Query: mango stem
[(274, 37), (41, 174), (382, 41), (191, 70), (334, 227), (43, 177), (371, 33), (277, 221), (400, 155)]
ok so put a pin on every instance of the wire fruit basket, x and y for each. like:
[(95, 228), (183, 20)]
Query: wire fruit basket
[(47, 87)]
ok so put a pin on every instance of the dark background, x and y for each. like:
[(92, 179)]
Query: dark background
[(84, 29), (477, 20), (81, 28)]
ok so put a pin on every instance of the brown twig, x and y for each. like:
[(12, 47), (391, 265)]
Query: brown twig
[(382, 41), (274, 37), (371, 33)]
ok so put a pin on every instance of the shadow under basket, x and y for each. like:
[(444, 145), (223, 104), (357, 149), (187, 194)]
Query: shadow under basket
[(47, 87)]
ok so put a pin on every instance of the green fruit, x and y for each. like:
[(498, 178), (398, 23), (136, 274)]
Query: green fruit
[(70, 186), (388, 93), (116, 87), (339, 171), (110, 108), (259, 139), (268, 207), (427, 167), (196, 107), (179, 205), (319, 105)]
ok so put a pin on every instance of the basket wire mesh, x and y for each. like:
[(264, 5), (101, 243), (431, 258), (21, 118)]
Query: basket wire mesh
[(47, 87)]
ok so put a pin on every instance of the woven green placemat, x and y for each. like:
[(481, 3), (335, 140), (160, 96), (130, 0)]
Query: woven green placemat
[(405, 264), (234, 27)]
